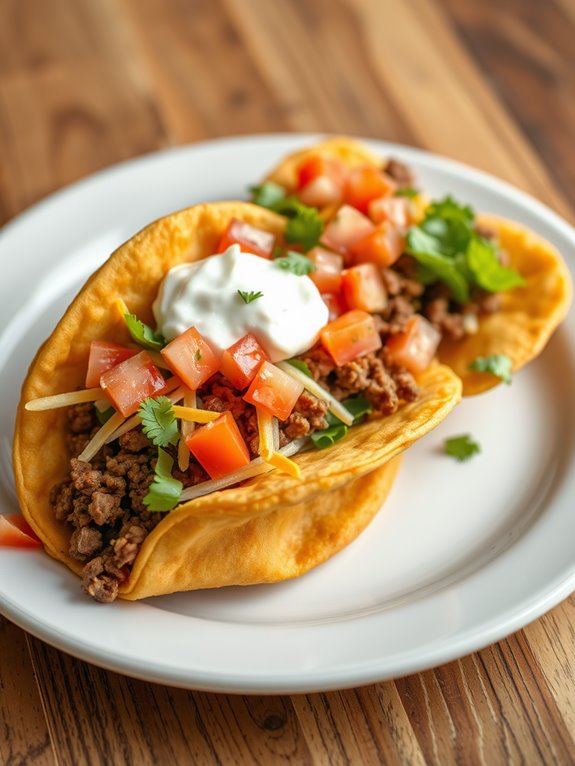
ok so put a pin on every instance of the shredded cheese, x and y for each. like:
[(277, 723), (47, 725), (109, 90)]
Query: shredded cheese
[(265, 433), (65, 400), (100, 437), (186, 428), (195, 415), (283, 463), (314, 388)]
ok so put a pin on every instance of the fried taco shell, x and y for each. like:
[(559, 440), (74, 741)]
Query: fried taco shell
[(272, 528), (528, 315)]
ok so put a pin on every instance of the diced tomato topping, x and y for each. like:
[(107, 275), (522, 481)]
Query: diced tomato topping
[(366, 184), (218, 446), (382, 246), (328, 268), (240, 362), (415, 347), (363, 288), (396, 210), (130, 382), (191, 358), (351, 335), (318, 167), (320, 192), (104, 356), (248, 237), (15, 532), (345, 229), (274, 390), (335, 304)]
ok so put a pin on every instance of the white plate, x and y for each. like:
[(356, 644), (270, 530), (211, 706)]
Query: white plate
[(460, 556)]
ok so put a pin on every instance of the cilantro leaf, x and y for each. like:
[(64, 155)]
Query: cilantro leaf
[(406, 191), (268, 194), (158, 421), (250, 297), (487, 270), (461, 447), (164, 492), (300, 365), (497, 364), (143, 333), (427, 252), (304, 228), (295, 262)]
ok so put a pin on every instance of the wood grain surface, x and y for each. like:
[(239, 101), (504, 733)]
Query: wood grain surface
[(84, 84)]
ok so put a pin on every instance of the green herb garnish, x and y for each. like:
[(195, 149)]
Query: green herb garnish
[(158, 421), (164, 492), (250, 297), (449, 249), (406, 191), (304, 226), (497, 364), (295, 262), (143, 333), (268, 194), (461, 447)]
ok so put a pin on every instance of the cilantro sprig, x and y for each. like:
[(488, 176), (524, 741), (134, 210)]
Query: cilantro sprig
[(250, 297), (449, 249), (496, 364), (158, 421), (164, 492), (461, 447), (304, 226), (406, 191), (143, 334), (298, 264), (359, 407)]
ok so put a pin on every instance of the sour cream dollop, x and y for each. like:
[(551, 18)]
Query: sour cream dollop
[(286, 319)]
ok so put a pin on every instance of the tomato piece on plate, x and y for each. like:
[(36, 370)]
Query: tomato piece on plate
[(366, 184), (382, 246), (274, 390), (415, 347), (318, 167), (396, 210), (248, 237), (191, 358), (241, 361), (328, 268), (346, 228), (104, 356), (351, 335), (363, 288), (15, 532), (130, 382), (335, 303), (219, 446)]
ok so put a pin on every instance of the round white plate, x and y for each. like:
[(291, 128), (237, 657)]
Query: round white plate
[(461, 555)]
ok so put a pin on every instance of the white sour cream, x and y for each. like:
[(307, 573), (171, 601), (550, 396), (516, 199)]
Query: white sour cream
[(286, 320)]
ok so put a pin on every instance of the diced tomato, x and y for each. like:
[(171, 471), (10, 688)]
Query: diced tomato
[(15, 532), (104, 356), (274, 390), (248, 237), (317, 167), (366, 184), (396, 210), (320, 192), (191, 358), (328, 267), (415, 347), (351, 335), (241, 361), (382, 246), (218, 446), (335, 304), (363, 288), (130, 382), (345, 229)]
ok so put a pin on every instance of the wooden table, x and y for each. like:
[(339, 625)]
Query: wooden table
[(84, 84)]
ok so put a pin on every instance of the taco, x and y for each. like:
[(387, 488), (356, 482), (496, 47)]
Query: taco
[(158, 450), (494, 290)]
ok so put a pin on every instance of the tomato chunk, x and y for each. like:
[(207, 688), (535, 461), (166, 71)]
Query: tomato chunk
[(219, 446), (382, 246), (396, 210), (363, 288), (328, 268), (130, 382), (274, 390), (318, 167), (415, 347), (241, 361), (335, 303), (104, 356), (345, 229), (248, 237), (366, 184), (351, 335), (191, 358), (15, 532)]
